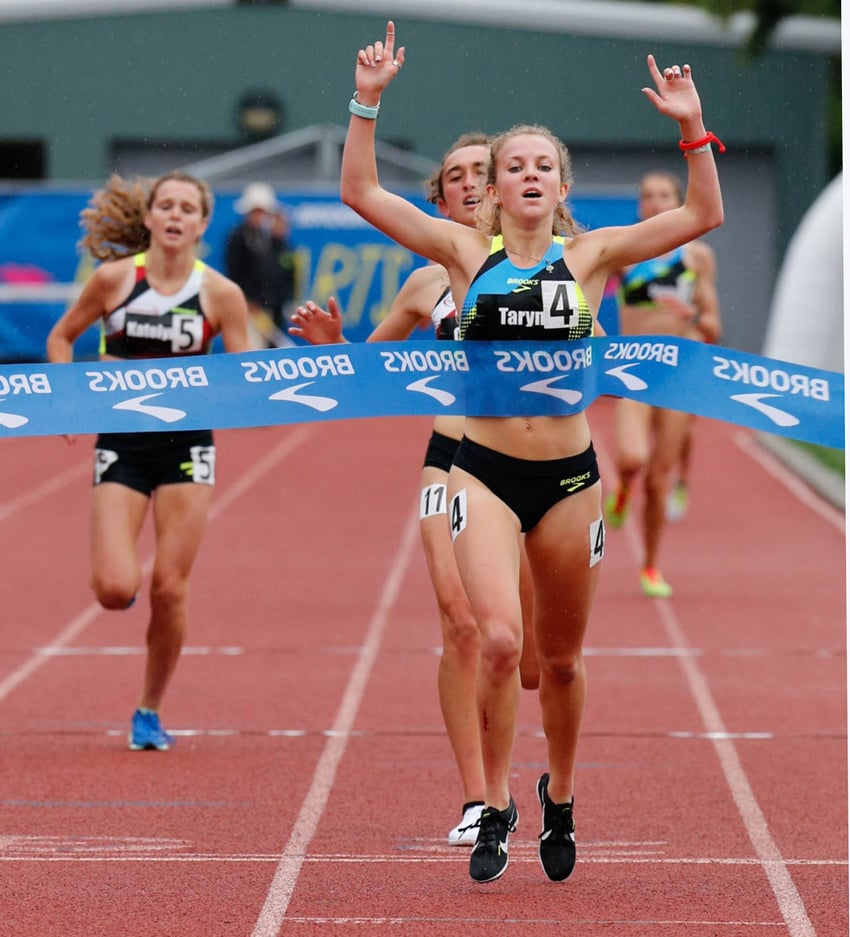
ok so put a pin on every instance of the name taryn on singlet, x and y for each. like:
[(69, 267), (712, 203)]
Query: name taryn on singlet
[(645, 283), (150, 325), (506, 302)]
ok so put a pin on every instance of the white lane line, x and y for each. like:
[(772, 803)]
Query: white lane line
[(555, 923), (286, 875), (54, 484), (790, 902), (80, 622), (134, 650), (392, 860), (87, 728)]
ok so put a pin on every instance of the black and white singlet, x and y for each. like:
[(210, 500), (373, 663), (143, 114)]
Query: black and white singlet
[(150, 325)]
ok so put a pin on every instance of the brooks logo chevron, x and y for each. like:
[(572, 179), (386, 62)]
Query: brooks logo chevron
[(138, 405), (757, 402), (544, 387), (322, 404), (11, 420), (422, 387), (623, 372)]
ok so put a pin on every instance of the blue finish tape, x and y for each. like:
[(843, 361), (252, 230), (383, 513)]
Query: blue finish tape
[(340, 382)]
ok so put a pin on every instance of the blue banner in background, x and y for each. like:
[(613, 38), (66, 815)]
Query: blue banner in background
[(349, 381), (338, 255)]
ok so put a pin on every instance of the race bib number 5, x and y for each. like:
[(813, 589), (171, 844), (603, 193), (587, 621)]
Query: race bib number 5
[(202, 465), (187, 333), (103, 459)]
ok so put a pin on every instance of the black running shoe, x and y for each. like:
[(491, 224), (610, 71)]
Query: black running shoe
[(489, 857), (557, 841)]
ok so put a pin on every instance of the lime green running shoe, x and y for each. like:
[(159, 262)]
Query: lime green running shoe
[(653, 584), (616, 509)]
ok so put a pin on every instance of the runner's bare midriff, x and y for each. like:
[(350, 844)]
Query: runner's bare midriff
[(534, 437)]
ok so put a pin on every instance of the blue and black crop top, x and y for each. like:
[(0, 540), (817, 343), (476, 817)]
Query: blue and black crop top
[(506, 302), (645, 283)]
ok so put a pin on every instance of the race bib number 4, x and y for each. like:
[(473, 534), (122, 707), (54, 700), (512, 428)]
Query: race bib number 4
[(597, 541), (457, 514)]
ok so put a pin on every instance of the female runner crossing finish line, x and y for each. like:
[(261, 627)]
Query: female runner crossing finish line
[(508, 472)]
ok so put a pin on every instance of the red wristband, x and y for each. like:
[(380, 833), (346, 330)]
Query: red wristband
[(702, 144)]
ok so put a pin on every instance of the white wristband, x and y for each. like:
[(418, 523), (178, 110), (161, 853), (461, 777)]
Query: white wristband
[(367, 111)]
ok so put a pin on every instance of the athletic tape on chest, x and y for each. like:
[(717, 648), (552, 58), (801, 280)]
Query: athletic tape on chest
[(339, 382)]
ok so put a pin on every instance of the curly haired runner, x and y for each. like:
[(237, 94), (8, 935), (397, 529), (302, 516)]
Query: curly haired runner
[(425, 300), (154, 299), (532, 279)]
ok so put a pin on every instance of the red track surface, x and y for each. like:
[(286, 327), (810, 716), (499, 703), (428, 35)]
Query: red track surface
[(312, 786)]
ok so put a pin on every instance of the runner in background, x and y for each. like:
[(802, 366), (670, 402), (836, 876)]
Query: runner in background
[(673, 294), (425, 301), (154, 299)]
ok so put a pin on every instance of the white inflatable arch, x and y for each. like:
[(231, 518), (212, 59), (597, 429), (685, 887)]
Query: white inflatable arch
[(806, 323)]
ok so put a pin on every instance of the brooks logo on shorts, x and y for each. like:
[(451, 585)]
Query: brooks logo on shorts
[(576, 482)]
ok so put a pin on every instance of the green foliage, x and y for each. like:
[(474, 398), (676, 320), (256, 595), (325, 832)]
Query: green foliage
[(769, 14), (833, 459), (770, 7)]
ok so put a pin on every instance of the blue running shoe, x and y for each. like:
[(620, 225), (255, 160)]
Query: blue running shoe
[(146, 732)]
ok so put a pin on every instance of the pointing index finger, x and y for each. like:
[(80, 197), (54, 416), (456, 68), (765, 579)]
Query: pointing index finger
[(654, 71)]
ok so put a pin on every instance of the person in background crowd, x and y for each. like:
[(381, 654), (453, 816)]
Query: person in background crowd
[(153, 299), (673, 294), (260, 259)]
